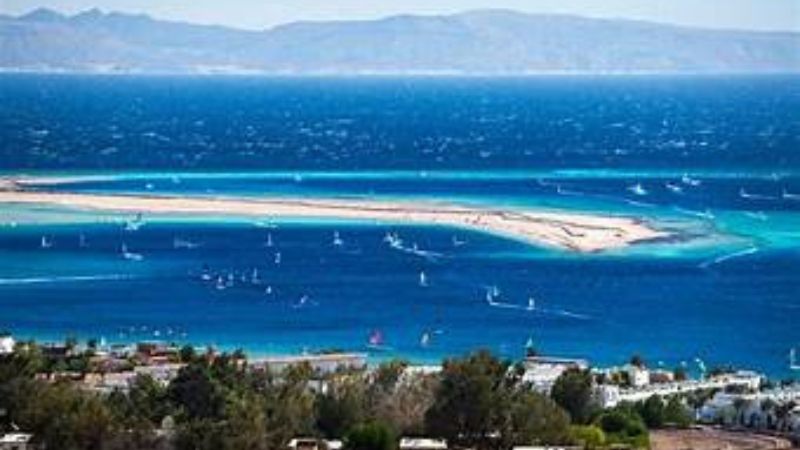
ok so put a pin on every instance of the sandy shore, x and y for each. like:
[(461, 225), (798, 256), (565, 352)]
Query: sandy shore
[(577, 232)]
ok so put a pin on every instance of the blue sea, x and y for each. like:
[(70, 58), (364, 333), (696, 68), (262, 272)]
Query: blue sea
[(715, 160)]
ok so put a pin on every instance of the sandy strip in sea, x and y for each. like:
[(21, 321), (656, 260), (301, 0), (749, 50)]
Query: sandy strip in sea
[(577, 232)]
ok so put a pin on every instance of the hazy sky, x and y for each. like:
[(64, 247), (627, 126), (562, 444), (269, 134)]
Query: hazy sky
[(746, 14)]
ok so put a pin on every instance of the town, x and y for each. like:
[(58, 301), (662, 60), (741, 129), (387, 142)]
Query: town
[(160, 395)]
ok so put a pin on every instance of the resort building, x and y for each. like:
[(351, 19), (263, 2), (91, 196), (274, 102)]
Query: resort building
[(314, 444), (542, 371), (321, 364), (610, 395), (16, 441), (7, 344), (416, 443)]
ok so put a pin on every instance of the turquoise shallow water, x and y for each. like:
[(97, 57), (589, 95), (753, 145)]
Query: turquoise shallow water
[(725, 293)]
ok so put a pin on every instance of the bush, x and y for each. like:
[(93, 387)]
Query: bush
[(370, 436)]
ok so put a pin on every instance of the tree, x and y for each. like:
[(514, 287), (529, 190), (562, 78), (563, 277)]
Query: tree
[(341, 407), (370, 436), (679, 374), (652, 411), (405, 404), (573, 391), (622, 425), (637, 361), (591, 437), (676, 413), (534, 419), (469, 399), (196, 393)]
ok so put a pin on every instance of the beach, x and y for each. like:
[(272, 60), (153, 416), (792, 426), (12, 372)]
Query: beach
[(583, 233)]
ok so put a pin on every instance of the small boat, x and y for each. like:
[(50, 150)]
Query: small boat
[(277, 257), (337, 240), (183, 243), (45, 242), (686, 179), (423, 279), (457, 242), (135, 223), (268, 290), (130, 256), (376, 341), (674, 188), (269, 240), (744, 194), (531, 304), (220, 283), (425, 339), (786, 195), (793, 365), (638, 189), (254, 279)]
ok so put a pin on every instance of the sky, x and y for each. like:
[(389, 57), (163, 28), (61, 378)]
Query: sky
[(259, 14)]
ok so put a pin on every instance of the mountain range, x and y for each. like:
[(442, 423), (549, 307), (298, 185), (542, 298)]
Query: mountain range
[(486, 42)]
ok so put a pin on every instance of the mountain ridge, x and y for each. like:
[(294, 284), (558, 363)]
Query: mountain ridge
[(491, 42)]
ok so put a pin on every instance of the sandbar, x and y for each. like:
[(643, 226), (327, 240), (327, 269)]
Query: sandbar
[(577, 232)]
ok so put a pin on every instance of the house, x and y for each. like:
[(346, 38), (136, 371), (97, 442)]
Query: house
[(414, 443), (320, 364), (314, 444), (541, 372), (638, 376), (7, 344), (16, 441)]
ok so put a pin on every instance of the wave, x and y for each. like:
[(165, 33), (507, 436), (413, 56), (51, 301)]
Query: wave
[(744, 194), (700, 214), (727, 257), (63, 279)]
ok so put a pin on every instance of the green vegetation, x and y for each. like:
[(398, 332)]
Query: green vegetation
[(218, 402)]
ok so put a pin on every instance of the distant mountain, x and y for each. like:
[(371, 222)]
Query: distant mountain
[(478, 42)]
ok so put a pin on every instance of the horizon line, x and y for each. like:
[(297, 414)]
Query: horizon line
[(106, 12)]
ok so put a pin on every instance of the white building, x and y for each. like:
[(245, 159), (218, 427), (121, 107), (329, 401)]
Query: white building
[(542, 372), (7, 344), (314, 444), (612, 395), (638, 376), (16, 441), (408, 443), (322, 364)]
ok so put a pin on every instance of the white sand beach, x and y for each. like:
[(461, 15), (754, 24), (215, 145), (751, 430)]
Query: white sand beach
[(570, 231)]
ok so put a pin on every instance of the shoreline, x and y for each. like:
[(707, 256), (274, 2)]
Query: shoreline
[(583, 233)]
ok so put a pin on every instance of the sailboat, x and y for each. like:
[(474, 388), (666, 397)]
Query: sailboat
[(674, 188), (46, 243), (425, 340), (531, 304), (130, 256), (686, 179), (793, 365), (789, 195), (638, 189), (423, 279), (337, 240), (376, 341)]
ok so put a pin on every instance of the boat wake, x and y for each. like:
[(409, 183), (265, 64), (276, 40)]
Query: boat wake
[(63, 279), (727, 257)]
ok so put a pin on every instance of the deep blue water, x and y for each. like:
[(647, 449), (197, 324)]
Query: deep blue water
[(71, 122), (728, 294)]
